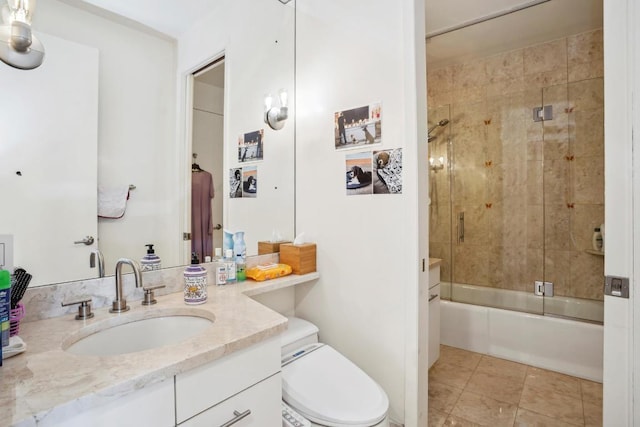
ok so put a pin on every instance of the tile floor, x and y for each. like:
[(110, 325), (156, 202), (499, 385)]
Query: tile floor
[(471, 389)]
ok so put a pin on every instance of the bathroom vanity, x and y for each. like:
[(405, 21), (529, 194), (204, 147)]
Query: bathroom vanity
[(228, 371)]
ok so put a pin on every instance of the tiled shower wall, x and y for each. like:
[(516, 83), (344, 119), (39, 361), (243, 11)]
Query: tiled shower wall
[(531, 192)]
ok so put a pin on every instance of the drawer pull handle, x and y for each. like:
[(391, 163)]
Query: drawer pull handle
[(238, 417), (432, 297)]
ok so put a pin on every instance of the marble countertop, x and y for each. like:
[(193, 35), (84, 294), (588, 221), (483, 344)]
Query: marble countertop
[(434, 262), (45, 382)]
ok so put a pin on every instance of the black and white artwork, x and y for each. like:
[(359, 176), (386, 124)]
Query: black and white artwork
[(387, 166), (235, 183)]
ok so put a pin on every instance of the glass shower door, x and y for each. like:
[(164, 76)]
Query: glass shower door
[(573, 152)]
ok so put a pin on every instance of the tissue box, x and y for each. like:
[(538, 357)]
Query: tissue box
[(301, 258), (270, 247)]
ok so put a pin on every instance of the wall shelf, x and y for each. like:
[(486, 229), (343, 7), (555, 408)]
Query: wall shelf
[(593, 252)]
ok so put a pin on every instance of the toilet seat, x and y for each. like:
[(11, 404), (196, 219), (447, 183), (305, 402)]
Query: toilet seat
[(327, 388)]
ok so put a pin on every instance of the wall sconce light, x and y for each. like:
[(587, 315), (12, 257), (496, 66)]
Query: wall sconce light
[(275, 116), (19, 48), (436, 165)]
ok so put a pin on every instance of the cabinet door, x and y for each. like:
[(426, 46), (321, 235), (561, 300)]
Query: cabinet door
[(204, 387), (152, 405), (262, 400)]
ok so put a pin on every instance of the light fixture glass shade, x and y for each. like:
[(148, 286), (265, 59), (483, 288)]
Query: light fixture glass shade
[(284, 98), (21, 10), (18, 47), (276, 116)]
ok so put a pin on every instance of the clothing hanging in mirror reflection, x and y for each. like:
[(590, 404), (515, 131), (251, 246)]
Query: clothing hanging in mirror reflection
[(201, 219)]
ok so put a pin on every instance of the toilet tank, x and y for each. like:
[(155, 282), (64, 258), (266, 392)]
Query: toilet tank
[(299, 333)]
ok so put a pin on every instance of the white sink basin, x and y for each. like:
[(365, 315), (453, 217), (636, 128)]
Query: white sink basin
[(133, 333)]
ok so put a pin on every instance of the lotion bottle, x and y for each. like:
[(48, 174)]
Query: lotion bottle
[(195, 282), (150, 261)]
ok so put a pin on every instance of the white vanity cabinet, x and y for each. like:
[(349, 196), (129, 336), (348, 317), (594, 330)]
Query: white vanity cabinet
[(152, 405), (434, 314), (223, 390)]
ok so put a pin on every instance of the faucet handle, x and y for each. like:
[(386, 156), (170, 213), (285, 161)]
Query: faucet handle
[(84, 309), (149, 298)]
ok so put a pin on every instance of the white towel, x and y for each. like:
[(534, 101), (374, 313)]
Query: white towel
[(112, 201)]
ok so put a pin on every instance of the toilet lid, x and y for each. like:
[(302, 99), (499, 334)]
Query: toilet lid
[(327, 388)]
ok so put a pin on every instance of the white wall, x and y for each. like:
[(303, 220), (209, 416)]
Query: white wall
[(350, 54), (136, 127), (256, 38), (618, 388)]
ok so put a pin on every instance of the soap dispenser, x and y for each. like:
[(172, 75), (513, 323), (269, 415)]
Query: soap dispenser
[(195, 282), (150, 261)]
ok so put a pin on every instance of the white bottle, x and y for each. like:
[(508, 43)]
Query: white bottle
[(231, 266), (220, 268), (596, 240)]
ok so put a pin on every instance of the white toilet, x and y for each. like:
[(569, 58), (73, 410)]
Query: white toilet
[(325, 387)]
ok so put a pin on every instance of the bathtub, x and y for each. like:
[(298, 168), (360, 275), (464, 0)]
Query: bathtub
[(555, 343)]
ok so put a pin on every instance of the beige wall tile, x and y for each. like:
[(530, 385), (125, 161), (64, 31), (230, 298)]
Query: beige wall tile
[(557, 234), (496, 267), (588, 180), (592, 415), (585, 54), (469, 184), (586, 95), (546, 64), (557, 270), (557, 189), (440, 223), (439, 80), (584, 218), (591, 392), (587, 132), (470, 264), (586, 276)]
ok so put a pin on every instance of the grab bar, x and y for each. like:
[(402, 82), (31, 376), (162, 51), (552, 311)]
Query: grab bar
[(461, 227)]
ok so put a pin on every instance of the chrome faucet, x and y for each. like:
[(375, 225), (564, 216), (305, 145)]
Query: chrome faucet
[(120, 304), (97, 255)]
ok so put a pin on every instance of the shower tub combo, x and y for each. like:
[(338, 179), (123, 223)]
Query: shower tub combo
[(548, 341)]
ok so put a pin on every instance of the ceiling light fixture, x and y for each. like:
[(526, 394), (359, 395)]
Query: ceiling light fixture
[(19, 48)]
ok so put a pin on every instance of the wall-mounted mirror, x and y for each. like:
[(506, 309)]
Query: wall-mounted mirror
[(133, 124)]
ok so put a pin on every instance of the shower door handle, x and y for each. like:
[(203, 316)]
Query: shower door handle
[(461, 227)]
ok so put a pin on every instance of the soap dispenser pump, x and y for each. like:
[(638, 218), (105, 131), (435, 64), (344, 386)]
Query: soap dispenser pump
[(195, 282), (150, 261)]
